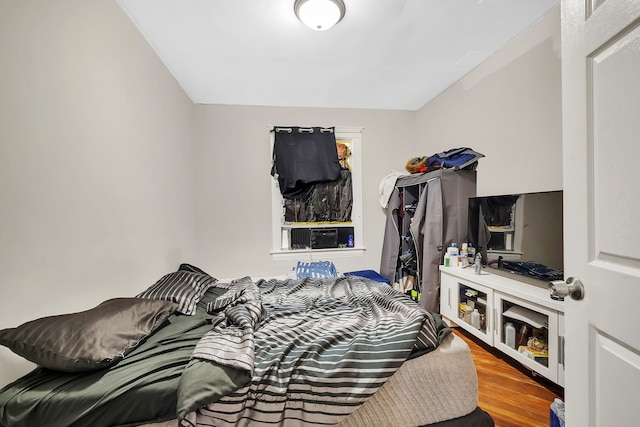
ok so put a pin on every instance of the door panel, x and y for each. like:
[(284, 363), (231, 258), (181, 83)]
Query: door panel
[(616, 149), (601, 148), (613, 362)]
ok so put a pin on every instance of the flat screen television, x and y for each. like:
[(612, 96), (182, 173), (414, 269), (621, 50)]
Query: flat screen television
[(519, 233)]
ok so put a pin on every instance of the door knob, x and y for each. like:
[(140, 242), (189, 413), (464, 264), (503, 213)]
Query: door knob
[(573, 287)]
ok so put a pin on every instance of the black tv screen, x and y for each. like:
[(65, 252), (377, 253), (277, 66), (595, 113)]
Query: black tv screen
[(520, 233)]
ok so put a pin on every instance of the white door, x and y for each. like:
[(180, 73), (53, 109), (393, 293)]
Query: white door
[(601, 150)]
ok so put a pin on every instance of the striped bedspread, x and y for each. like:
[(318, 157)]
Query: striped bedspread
[(319, 348)]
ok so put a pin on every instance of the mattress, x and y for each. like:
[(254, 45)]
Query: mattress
[(438, 386), (305, 358)]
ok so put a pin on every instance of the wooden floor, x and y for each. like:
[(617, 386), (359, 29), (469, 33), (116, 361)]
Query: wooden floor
[(507, 390)]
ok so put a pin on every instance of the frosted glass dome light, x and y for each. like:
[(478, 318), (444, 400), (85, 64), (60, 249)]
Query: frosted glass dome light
[(319, 15)]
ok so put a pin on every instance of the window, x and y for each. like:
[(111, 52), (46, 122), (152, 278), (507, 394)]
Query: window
[(299, 233)]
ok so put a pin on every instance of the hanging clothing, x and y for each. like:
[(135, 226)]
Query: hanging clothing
[(327, 201), (391, 239), (303, 157)]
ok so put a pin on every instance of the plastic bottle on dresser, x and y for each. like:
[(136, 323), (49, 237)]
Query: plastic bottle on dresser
[(464, 256), (477, 263), (453, 254), (471, 251), (447, 259), (510, 335)]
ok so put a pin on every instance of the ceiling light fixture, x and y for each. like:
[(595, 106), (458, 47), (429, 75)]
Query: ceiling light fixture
[(319, 15)]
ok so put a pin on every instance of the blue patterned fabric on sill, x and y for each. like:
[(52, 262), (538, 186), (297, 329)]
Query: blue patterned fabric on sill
[(316, 269)]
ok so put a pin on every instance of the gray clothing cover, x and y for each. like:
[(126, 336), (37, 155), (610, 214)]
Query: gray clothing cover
[(441, 217), (427, 231)]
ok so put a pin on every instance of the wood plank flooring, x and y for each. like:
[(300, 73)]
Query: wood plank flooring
[(509, 392)]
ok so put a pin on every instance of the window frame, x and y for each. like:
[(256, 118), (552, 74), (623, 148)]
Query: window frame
[(354, 135)]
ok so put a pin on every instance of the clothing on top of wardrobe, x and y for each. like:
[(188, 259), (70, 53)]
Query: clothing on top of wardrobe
[(461, 158), (387, 185)]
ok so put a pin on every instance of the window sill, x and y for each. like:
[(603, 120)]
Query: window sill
[(313, 254)]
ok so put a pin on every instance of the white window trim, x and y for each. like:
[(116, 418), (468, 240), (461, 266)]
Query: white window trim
[(354, 134)]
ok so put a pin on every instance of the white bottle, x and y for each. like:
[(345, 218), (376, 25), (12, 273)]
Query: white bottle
[(447, 259), (453, 255), (510, 335), (464, 260), (475, 318)]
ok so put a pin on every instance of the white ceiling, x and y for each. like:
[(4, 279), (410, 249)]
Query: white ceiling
[(384, 54)]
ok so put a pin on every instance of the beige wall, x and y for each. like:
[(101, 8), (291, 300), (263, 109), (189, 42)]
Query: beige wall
[(509, 109), (95, 162), (233, 184)]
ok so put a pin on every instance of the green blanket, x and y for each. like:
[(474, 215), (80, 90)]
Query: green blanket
[(148, 377)]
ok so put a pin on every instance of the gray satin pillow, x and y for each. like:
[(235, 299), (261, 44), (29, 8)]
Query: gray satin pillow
[(186, 287), (90, 339)]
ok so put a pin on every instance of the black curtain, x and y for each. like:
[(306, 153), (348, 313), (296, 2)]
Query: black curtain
[(303, 157)]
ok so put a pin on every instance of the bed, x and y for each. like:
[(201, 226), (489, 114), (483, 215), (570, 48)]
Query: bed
[(194, 351)]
